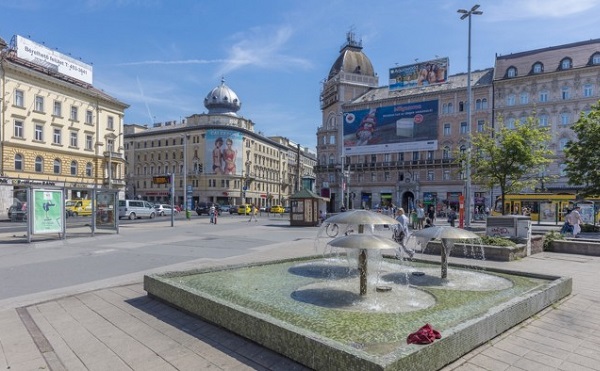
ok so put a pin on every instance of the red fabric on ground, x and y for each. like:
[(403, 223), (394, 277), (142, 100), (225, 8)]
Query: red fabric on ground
[(425, 335)]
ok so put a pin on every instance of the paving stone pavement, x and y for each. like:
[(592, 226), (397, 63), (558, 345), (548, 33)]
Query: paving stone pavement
[(120, 328)]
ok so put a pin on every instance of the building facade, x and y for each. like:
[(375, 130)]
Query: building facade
[(56, 128), (554, 85), (217, 156), (395, 166)]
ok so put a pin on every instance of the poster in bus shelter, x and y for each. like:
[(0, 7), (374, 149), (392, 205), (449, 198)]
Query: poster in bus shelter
[(48, 208), (586, 212)]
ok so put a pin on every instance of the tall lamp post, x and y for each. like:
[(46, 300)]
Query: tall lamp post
[(467, 14), (185, 198)]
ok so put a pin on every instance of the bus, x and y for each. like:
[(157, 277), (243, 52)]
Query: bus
[(547, 207)]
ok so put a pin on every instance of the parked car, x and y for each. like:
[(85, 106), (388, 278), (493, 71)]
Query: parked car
[(244, 209), (163, 209), (225, 209), (286, 209), (134, 209), (277, 209), (18, 212)]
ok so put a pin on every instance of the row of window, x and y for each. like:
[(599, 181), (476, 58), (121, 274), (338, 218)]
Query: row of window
[(538, 67), (39, 102), (565, 94), (480, 104), (57, 137), (56, 166)]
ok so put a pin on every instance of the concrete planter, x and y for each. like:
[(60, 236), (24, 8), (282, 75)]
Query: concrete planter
[(490, 252)]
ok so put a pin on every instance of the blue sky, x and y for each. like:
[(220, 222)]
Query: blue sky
[(162, 57)]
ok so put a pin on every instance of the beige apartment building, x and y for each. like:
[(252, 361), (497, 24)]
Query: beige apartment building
[(218, 157), (555, 85), (56, 128)]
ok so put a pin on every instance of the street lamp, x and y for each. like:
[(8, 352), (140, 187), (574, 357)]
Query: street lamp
[(185, 199), (467, 14)]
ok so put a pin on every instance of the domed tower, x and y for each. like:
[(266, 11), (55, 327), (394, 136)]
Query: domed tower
[(350, 76), (222, 100)]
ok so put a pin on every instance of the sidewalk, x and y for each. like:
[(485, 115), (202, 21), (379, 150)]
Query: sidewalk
[(117, 327)]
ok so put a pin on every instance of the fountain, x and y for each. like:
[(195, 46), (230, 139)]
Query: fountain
[(310, 310)]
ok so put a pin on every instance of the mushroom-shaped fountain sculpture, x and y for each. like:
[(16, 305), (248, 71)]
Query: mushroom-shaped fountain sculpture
[(361, 241), (448, 236)]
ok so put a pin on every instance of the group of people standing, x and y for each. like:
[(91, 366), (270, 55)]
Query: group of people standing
[(573, 222)]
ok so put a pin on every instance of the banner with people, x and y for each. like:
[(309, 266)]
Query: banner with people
[(223, 152)]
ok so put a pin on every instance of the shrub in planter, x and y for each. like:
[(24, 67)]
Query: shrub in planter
[(497, 241)]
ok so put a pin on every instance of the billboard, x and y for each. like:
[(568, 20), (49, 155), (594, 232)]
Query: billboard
[(223, 152), (398, 128), (48, 208), (53, 60), (419, 74)]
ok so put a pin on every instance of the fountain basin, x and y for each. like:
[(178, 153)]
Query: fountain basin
[(262, 302)]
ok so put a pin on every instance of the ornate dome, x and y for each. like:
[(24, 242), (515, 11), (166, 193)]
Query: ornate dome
[(352, 59), (222, 100)]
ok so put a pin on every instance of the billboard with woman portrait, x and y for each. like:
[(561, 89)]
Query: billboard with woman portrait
[(223, 152)]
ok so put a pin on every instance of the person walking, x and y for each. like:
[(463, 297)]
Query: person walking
[(401, 233), (253, 212), (420, 216), (431, 214), (211, 211), (576, 221), (451, 217)]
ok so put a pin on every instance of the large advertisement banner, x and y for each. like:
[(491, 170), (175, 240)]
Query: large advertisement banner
[(223, 152), (419, 74), (48, 208), (399, 128)]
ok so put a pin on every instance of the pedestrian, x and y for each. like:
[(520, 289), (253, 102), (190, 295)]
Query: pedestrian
[(401, 233), (253, 212), (413, 219), (576, 221), (211, 212), (322, 216), (431, 214), (420, 216), (451, 217)]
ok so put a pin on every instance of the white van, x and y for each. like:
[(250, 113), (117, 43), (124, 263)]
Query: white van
[(133, 209)]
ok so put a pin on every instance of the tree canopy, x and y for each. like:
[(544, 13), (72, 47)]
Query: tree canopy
[(510, 158), (582, 157)]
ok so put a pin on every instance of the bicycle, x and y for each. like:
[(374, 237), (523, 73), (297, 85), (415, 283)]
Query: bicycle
[(332, 230)]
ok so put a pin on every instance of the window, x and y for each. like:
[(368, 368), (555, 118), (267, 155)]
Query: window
[(57, 111), (446, 175), (39, 164), (39, 103), (450, 108), (18, 132), (73, 139), (386, 176), (562, 143), (56, 137), (331, 159), (447, 129), (565, 118), (18, 161), (511, 123), (524, 98), (89, 117), (88, 169), (373, 177), (19, 98), (461, 106), (538, 68), (73, 113), (400, 156), (415, 156), (596, 58), (588, 90), (565, 93), (480, 126), (110, 146), (39, 132), (430, 175), (73, 167), (110, 123), (543, 120), (544, 96), (510, 100), (565, 64), (511, 72), (89, 140), (446, 153), (463, 128), (484, 103), (56, 167), (430, 155), (373, 159)]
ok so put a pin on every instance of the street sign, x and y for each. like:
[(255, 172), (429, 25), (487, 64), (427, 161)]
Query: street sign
[(162, 179)]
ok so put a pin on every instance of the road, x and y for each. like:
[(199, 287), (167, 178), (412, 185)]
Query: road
[(141, 247)]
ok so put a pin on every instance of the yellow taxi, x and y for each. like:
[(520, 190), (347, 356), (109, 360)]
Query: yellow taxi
[(277, 209), (244, 209)]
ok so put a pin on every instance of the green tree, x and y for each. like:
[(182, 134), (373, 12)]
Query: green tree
[(509, 158), (582, 157)]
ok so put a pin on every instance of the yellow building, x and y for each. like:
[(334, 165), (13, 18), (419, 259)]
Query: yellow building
[(56, 128), (217, 156)]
